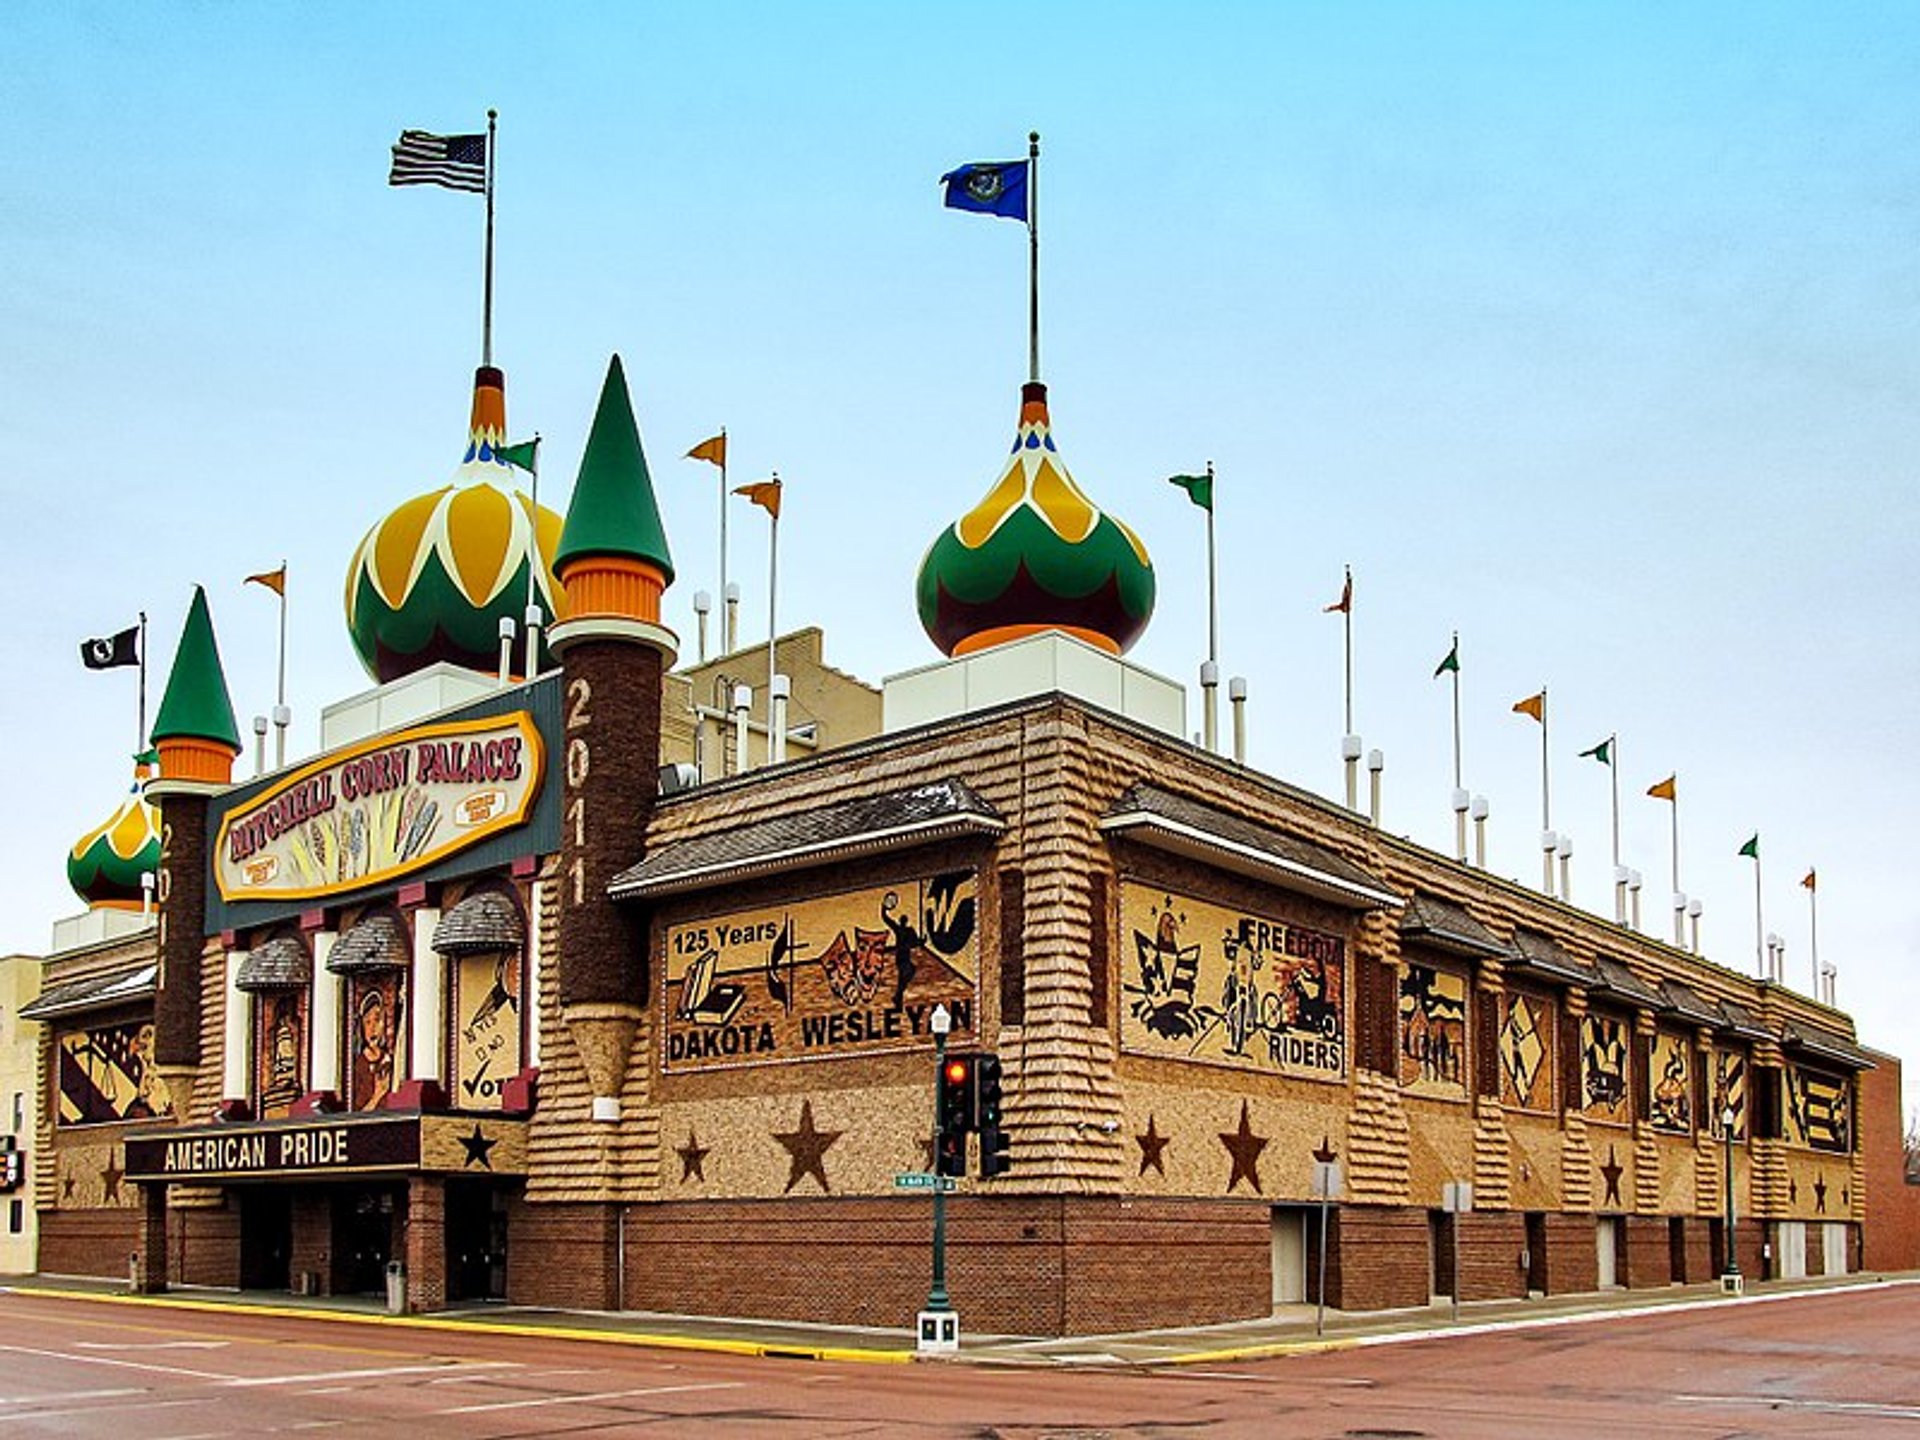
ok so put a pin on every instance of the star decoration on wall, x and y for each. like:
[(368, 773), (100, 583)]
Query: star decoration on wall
[(478, 1146), (1245, 1147), (1153, 1146), (1611, 1172), (1820, 1195), (110, 1177), (67, 1184), (1793, 1191), (807, 1147), (1846, 1200), (692, 1157), (1326, 1154)]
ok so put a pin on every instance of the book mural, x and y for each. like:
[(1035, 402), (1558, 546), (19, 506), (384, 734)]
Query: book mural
[(823, 977), (1205, 982)]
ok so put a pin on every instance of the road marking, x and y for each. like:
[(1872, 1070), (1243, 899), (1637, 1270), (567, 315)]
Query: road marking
[(151, 1345), (591, 1399), (438, 1368), (69, 1395), (116, 1410), (105, 1360), (1790, 1402)]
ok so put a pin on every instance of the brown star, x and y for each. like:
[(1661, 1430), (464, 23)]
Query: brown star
[(1152, 1145), (808, 1148), (110, 1177), (1326, 1154), (692, 1154), (1612, 1171), (1793, 1191), (67, 1182), (1819, 1194), (1245, 1147)]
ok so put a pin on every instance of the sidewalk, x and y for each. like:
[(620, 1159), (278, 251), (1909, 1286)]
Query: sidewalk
[(1290, 1331)]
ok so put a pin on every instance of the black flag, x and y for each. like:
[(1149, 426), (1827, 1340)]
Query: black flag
[(105, 654)]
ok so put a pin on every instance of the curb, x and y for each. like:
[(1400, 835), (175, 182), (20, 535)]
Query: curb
[(650, 1339)]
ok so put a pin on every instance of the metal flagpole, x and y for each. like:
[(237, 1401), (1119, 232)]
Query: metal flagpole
[(1346, 624), (1210, 672), (1813, 921), (1619, 884), (1546, 801), (1033, 250), (726, 610), (1456, 712), (534, 561), (140, 740), (773, 576), (1679, 909), (282, 717), (1760, 928), (486, 313)]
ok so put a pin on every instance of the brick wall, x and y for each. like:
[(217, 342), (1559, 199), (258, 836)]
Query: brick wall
[(1573, 1260), (565, 1256), (1702, 1264), (206, 1246), (1647, 1259), (1490, 1246), (1378, 1258), (425, 1248), (88, 1242), (1891, 1235)]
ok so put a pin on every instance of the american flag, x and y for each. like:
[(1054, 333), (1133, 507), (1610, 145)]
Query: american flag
[(457, 162)]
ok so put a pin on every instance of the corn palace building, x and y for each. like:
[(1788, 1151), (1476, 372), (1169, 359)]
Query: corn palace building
[(589, 988)]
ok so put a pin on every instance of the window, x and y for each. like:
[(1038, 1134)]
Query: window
[(19, 1112), (16, 1216)]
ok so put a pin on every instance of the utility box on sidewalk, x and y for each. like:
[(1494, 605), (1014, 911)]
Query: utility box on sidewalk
[(396, 1288), (939, 1332)]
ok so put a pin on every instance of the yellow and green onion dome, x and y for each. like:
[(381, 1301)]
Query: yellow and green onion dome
[(105, 865), (434, 579), (1035, 555)]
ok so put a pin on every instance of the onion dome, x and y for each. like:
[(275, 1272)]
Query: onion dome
[(1035, 555), (194, 729), (433, 580), (105, 865)]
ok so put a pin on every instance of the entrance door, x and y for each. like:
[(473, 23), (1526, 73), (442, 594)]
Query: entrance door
[(266, 1238), (1439, 1254), (1790, 1250), (1834, 1240), (1289, 1256), (1606, 1240), (1677, 1249), (363, 1226), (1536, 1253), (476, 1241)]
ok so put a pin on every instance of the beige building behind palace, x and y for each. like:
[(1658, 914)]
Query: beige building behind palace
[(19, 1113)]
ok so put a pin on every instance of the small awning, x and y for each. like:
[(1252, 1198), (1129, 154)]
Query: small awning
[(1196, 831), (1550, 958), (1826, 1045), (485, 920), (1737, 1020), (379, 942), (281, 963), (924, 815), (1682, 1003), (1617, 980), (1444, 925), (95, 992)]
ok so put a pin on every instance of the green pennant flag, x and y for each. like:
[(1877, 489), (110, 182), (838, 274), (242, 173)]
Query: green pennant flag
[(524, 456), (148, 756), (1752, 848), (1199, 489), (1452, 662), (1603, 752)]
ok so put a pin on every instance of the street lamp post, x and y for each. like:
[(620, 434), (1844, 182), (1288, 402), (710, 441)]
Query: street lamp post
[(941, 1023), (1730, 1276)]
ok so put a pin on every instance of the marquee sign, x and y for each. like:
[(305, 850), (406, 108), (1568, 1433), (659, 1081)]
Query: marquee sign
[(337, 1145), (380, 809)]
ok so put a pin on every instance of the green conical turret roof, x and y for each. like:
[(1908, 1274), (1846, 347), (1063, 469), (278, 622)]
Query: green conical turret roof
[(614, 511), (196, 705)]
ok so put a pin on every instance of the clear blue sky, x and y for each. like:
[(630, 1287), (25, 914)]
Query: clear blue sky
[(1589, 330)]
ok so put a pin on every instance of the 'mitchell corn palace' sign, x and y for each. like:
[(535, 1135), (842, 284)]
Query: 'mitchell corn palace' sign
[(380, 809)]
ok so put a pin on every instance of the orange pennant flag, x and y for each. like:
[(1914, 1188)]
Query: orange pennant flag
[(1809, 882), (274, 580), (1667, 789), (1534, 705), (765, 494), (713, 451), (1344, 605)]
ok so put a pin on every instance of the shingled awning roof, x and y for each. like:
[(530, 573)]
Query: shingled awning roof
[(1827, 1045), (281, 963), (485, 920), (1616, 979), (1550, 958), (1739, 1021), (1446, 926), (95, 992), (379, 942), (1198, 831), (924, 815), (1682, 1002)]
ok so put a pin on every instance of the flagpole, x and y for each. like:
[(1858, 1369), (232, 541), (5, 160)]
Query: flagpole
[(1619, 883), (1546, 805), (1210, 672), (486, 311), (1760, 929), (1033, 260), (1679, 905), (1456, 712), (726, 608), (534, 561), (1346, 625), (1813, 922), (773, 577), (140, 740), (282, 717)]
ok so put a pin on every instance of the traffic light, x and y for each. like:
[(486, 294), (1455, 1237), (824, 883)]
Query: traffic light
[(994, 1143), (957, 1113)]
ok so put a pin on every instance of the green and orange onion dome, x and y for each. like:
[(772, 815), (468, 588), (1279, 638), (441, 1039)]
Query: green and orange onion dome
[(105, 865), (434, 579), (1035, 555)]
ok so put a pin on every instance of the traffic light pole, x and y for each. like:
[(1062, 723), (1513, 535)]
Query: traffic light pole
[(937, 1294)]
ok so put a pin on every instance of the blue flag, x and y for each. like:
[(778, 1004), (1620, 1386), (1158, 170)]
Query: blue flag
[(990, 187)]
